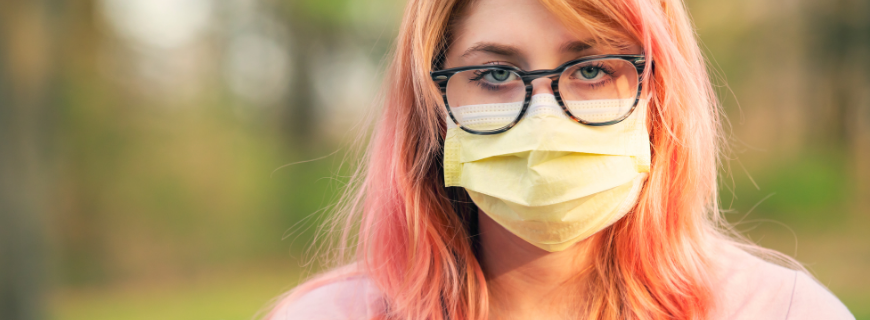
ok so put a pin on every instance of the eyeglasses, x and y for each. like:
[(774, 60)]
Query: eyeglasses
[(596, 90)]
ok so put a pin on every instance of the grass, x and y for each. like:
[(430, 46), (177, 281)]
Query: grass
[(238, 294)]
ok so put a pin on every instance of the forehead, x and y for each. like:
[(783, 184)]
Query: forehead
[(524, 24), (518, 20)]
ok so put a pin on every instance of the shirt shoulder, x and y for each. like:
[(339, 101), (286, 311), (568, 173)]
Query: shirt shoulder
[(748, 287), (811, 300), (349, 298)]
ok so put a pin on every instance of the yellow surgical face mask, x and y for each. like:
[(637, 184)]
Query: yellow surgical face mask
[(550, 180)]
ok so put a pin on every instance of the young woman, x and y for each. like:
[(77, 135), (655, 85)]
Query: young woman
[(548, 159)]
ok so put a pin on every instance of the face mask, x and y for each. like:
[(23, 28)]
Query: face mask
[(550, 180)]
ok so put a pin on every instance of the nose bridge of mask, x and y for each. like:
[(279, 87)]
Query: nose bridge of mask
[(544, 105), (545, 127), (541, 105)]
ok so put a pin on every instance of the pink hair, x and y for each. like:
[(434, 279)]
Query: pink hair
[(413, 238)]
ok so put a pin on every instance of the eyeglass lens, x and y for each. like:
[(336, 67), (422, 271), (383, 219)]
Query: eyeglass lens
[(595, 91)]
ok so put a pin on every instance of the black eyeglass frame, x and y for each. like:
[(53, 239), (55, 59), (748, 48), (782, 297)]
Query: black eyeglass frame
[(442, 77)]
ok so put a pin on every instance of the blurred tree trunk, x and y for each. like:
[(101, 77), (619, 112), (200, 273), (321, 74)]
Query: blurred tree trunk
[(299, 114), (80, 225), (26, 82), (314, 27), (858, 112), (840, 53)]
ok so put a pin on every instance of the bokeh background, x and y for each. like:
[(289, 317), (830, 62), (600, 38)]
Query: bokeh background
[(143, 144)]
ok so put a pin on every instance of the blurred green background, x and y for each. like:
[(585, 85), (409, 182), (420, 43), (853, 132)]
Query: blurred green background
[(139, 142)]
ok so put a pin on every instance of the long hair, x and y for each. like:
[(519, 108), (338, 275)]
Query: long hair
[(414, 239)]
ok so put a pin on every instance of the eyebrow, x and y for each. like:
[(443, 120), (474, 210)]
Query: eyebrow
[(507, 50), (499, 49), (576, 46)]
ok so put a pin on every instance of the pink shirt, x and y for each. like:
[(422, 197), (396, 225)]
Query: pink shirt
[(748, 288)]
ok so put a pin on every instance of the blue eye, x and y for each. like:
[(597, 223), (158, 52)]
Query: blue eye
[(498, 76), (589, 72), (495, 79)]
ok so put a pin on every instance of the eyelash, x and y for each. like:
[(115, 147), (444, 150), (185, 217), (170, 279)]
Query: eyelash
[(602, 67), (479, 75)]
